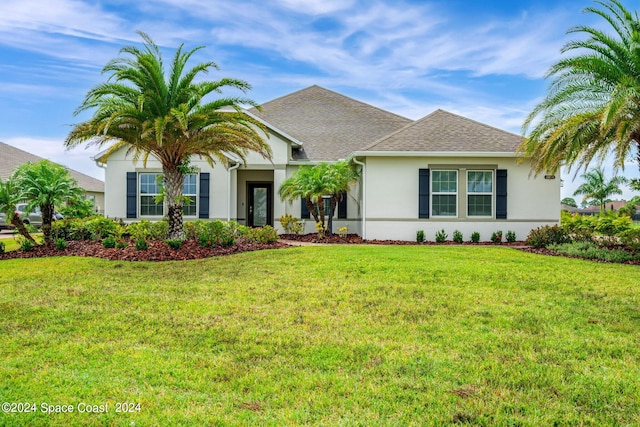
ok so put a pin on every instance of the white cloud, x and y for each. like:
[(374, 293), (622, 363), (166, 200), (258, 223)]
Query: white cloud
[(316, 7), (53, 149)]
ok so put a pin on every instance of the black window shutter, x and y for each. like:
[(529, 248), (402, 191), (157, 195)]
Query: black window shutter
[(203, 196), (304, 211), (501, 194), (342, 206), (423, 193), (132, 194)]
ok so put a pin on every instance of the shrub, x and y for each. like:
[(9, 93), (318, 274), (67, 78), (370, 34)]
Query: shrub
[(420, 236), (475, 237), (496, 236), (343, 231), (78, 209), (174, 244), (61, 244), (25, 244), (441, 236), (70, 229), (542, 237), (147, 230), (511, 236), (1, 248), (290, 224), (121, 243), (592, 251), (631, 239), (266, 234), (109, 242), (236, 229), (189, 230), (142, 245), (211, 233), (101, 227), (611, 225), (457, 236)]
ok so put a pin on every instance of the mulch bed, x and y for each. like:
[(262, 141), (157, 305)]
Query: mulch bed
[(158, 251), (355, 239)]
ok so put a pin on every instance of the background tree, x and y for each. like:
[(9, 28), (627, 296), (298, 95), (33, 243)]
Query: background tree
[(166, 116), (338, 178), (46, 185), (569, 201), (592, 107), (598, 189), (9, 197)]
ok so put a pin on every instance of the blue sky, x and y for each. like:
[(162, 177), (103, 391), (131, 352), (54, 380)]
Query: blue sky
[(482, 59)]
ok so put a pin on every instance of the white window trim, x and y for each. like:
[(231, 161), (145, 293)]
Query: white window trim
[(164, 204), (440, 193), (490, 193)]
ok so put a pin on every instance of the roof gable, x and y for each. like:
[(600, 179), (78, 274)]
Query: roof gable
[(330, 125), (12, 157), (442, 131)]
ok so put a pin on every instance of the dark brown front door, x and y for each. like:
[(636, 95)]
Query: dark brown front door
[(260, 205)]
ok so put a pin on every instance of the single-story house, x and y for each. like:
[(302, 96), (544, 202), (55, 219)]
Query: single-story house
[(12, 157), (443, 171)]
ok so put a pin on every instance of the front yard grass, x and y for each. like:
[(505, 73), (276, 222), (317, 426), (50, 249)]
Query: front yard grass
[(360, 335)]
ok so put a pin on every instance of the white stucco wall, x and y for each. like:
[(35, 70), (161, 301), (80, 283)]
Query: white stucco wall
[(392, 199)]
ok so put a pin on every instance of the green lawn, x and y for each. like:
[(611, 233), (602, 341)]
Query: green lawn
[(362, 335)]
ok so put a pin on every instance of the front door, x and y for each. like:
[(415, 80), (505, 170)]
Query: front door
[(259, 203)]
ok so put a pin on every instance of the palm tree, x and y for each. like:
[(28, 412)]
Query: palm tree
[(596, 187), (167, 117), (313, 183), (46, 185), (592, 107), (9, 197)]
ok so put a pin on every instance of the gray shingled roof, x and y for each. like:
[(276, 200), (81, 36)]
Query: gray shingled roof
[(442, 131), (12, 157), (330, 125)]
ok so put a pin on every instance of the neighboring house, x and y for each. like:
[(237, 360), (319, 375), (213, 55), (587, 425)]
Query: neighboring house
[(441, 172), (12, 157), (612, 206)]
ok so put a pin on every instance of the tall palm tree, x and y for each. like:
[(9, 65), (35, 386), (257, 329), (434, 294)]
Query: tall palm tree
[(46, 185), (9, 197), (597, 188), (592, 107), (167, 117)]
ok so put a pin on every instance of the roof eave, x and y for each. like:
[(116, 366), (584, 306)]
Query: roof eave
[(433, 154)]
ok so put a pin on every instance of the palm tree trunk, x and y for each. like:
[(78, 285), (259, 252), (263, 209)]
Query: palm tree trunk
[(312, 209), (47, 215), (332, 209), (173, 184), (321, 211), (17, 222)]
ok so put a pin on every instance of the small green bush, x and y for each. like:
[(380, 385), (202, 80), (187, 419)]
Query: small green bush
[(290, 224), (212, 233), (592, 251), (475, 237), (511, 236), (266, 234), (147, 230), (631, 239), (174, 244), (496, 236), (441, 236), (142, 245), (544, 236), (101, 227), (420, 236), (109, 242), (457, 236), (189, 228), (26, 245), (121, 243), (236, 229), (61, 244), (1, 248)]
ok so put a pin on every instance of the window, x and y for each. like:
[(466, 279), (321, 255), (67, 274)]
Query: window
[(480, 193), (149, 189), (189, 189), (150, 186), (444, 193)]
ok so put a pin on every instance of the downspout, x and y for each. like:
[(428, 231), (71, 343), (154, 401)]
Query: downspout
[(237, 165), (364, 197)]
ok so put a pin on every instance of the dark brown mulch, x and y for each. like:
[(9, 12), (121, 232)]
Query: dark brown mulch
[(158, 251), (355, 239)]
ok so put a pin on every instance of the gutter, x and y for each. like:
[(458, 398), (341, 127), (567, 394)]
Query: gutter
[(364, 197)]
